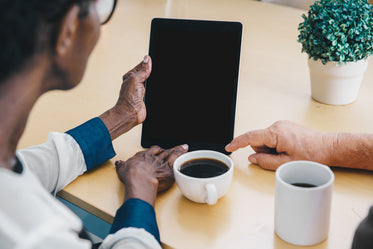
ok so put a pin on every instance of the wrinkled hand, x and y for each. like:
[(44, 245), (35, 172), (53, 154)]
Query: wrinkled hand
[(130, 109), (283, 142), (149, 172), (131, 96)]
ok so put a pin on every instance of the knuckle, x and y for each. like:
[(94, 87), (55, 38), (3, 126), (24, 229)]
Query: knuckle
[(119, 164), (247, 137), (281, 124), (155, 149), (158, 162), (128, 76), (277, 124), (178, 151), (153, 180), (139, 154)]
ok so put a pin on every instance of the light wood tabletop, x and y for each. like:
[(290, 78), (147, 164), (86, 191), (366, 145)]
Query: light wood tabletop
[(274, 85)]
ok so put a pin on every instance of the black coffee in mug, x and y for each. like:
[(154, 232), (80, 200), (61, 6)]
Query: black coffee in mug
[(203, 168), (304, 185)]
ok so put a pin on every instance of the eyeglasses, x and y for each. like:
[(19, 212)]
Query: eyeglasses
[(105, 9)]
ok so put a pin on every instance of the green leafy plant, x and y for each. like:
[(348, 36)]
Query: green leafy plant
[(337, 30)]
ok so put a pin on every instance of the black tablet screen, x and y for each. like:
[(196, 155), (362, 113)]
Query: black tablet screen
[(191, 92)]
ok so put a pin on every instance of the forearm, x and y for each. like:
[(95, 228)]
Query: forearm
[(117, 123), (351, 151)]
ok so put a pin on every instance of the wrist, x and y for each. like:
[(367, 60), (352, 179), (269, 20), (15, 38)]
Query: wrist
[(328, 155), (118, 123), (352, 151), (145, 189)]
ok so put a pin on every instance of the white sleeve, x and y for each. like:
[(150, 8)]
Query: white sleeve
[(56, 163), (130, 238)]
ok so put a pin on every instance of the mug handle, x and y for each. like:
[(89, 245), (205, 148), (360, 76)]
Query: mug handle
[(211, 194)]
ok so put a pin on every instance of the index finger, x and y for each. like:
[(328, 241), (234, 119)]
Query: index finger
[(171, 154), (257, 138), (154, 150)]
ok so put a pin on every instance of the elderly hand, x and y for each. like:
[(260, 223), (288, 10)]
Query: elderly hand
[(149, 172), (129, 110), (283, 142)]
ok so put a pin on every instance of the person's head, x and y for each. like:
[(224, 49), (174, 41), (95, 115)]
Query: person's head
[(59, 33)]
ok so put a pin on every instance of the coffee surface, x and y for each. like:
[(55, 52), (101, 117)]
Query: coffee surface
[(203, 168), (304, 185)]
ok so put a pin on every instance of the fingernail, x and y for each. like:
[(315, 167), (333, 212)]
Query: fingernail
[(184, 146), (253, 160), (227, 146), (146, 59)]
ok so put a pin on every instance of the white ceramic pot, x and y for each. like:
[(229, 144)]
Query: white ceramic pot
[(300, 4), (336, 84)]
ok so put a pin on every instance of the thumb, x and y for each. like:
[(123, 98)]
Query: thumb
[(269, 161), (146, 67), (142, 70)]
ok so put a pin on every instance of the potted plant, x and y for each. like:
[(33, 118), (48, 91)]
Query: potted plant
[(337, 35)]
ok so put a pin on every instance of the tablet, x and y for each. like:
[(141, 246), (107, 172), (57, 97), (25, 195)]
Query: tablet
[(191, 93)]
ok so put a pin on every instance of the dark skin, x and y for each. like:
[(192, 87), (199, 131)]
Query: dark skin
[(62, 66), (148, 172), (130, 109)]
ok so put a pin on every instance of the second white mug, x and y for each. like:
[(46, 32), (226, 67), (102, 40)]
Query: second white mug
[(303, 202)]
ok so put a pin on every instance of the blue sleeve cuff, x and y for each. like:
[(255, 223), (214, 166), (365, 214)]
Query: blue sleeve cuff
[(136, 213), (95, 142)]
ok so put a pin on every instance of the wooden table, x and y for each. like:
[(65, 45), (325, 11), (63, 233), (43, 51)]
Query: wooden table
[(273, 84)]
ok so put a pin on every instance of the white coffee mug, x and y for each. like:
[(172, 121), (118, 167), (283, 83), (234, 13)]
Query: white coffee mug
[(203, 190), (302, 214)]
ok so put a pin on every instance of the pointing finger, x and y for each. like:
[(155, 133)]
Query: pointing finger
[(257, 138)]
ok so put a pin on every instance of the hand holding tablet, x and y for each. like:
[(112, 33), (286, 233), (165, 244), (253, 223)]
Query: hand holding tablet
[(191, 92)]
